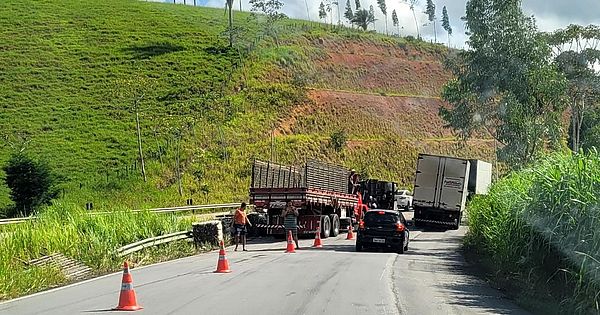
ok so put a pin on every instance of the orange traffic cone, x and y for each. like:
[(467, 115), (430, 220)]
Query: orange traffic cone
[(290, 244), (223, 264), (127, 299), (350, 235), (317, 242)]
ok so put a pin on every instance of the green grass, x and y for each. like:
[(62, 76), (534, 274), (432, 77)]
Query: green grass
[(72, 68), (92, 240), (539, 227)]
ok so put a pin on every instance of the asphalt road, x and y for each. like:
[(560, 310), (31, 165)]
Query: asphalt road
[(431, 278)]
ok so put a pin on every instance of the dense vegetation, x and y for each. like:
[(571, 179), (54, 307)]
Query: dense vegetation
[(92, 240), (539, 227)]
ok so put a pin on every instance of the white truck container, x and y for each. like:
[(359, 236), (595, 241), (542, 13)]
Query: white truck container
[(442, 185), (480, 177)]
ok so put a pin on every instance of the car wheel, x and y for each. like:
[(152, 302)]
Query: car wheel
[(359, 247), (335, 225), (325, 226), (401, 248)]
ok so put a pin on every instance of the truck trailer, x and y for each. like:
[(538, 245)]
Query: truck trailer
[(319, 191), (442, 185)]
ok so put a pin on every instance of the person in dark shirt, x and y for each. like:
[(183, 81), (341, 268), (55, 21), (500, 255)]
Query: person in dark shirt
[(290, 221)]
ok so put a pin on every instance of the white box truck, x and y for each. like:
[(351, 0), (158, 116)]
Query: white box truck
[(442, 186)]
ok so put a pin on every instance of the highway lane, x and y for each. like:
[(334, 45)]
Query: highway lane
[(431, 278)]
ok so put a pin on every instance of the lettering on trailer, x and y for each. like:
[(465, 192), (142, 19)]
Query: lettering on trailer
[(453, 182), (277, 204)]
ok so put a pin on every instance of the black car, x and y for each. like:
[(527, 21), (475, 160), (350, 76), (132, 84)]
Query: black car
[(383, 229)]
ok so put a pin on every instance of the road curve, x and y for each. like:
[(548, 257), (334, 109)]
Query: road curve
[(431, 278)]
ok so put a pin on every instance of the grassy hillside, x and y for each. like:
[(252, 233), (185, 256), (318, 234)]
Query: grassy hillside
[(73, 69)]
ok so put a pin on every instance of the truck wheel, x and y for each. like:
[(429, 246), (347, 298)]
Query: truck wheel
[(456, 225), (417, 223), (335, 225), (325, 226)]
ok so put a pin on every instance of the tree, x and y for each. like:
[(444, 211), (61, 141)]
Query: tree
[(505, 84), (357, 3), (337, 140), (133, 91), (430, 11), (446, 23), (31, 182), (362, 18), (395, 21), (322, 13), (383, 8), (271, 9), (590, 130), (575, 51), (349, 15), (372, 15), (229, 8), (412, 4)]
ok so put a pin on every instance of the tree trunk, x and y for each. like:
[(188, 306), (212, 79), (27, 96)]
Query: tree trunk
[(307, 10), (139, 138), (240, 5), (386, 30), (158, 148), (231, 24), (416, 23), (177, 159), (434, 32)]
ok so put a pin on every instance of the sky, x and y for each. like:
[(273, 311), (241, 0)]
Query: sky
[(549, 14)]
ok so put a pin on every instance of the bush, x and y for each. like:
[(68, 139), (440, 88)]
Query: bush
[(337, 140), (31, 184)]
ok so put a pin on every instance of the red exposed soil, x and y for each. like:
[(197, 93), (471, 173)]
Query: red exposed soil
[(380, 67), (408, 117)]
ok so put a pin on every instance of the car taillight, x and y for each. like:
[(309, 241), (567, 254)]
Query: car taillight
[(400, 227), (381, 212), (361, 225)]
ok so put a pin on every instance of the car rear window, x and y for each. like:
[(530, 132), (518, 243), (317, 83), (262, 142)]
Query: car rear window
[(376, 218)]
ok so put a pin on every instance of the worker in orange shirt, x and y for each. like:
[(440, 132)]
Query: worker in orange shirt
[(240, 219)]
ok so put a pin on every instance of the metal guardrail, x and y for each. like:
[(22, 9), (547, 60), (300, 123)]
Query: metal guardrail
[(155, 210), (153, 241)]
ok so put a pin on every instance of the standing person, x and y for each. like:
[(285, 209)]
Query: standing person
[(240, 219), (290, 221), (352, 182)]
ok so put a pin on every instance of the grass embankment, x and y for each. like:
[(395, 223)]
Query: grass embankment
[(91, 240), (72, 69), (539, 227)]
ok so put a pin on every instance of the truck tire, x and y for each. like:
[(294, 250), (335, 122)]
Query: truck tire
[(325, 226), (456, 225), (335, 225), (417, 223)]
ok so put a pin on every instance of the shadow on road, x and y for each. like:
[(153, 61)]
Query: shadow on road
[(100, 311), (478, 294)]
